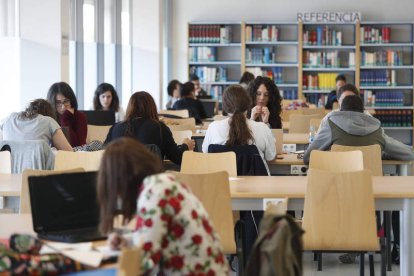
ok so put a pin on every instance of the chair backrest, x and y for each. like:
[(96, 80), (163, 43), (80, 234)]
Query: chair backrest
[(315, 123), (301, 123), (313, 111), (29, 154), (288, 112), (198, 162), (213, 190), (129, 262), (183, 113), (25, 207), (181, 127), (98, 133), (88, 160), (188, 121), (336, 161), (278, 134), (371, 155), (180, 135), (339, 212), (99, 117), (5, 162)]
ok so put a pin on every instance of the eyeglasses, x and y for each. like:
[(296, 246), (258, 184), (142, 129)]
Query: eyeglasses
[(65, 102)]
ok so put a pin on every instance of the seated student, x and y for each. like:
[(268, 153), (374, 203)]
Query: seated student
[(37, 122), (187, 101), (266, 102), (106, 98), (245, 79), (63, 100), (173, 90), (351, 126), (142, 123), (340, 81), (237, 129), (173, 228), (199, 91)]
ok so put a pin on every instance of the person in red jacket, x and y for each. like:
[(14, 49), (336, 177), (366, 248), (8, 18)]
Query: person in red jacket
[(63, 99)]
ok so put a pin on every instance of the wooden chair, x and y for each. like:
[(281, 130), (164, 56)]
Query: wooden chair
[(336, 161), (313, 111), (188, 121), (287, 113), (198, 162), (98, 133), (88, 160), (278, 134), (129, 262), (5, 162), (181, 127), (371, 156), (315, 123), (180, 135), (301, 123), (339, 213), (183, 113), (25, 207)]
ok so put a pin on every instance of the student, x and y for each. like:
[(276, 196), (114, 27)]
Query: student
[(351, 126), (340, 81), (106, 98), (188, 101), (142, 123), (173, 227), (199, 91), (63, 100), (245, 79), (173, 90), (237, 129), (266, 102), (37, 122)]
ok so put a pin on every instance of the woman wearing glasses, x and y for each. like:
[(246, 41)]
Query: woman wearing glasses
[(63, 99)]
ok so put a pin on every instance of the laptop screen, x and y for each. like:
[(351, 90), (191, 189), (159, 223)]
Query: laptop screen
[(99, 117), (63, 201)]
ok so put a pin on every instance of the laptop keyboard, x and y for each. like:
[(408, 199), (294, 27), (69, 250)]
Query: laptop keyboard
[(72, 236)]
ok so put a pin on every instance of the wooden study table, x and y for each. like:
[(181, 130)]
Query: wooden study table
[(391, 193)]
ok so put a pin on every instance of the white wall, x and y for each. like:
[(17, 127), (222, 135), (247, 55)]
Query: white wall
[(185, 11)]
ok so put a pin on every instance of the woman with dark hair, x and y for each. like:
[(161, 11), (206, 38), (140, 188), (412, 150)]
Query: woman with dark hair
[(266, 102), (106, 98), (63, 100), (142, 123), (245, 79), (37, 122), (173, 228), (174, 95), (237, 129)]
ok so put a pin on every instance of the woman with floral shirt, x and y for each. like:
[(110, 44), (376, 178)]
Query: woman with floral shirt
[(173, 227)]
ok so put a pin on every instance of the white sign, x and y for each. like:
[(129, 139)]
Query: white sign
[(329, 17)]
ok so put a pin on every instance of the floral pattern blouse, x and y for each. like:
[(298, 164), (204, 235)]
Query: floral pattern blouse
[(175, 232)]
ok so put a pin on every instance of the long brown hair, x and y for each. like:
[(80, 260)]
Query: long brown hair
[(140, 105), (237, 102), (36, 107), (125, 164)]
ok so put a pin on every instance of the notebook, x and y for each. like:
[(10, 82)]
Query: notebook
[(65, 207)]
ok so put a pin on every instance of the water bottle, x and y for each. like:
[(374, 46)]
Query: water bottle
[(312, 134)]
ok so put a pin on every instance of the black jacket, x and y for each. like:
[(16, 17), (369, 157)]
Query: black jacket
[(195, 108)]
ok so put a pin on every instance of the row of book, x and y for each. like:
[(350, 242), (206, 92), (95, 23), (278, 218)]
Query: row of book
[(322, 36), (386, 77), (262, 33), (317, 99), (383, 98), (215, 91), (202, 54), (210, 34), (275, 73), (321, 59), (266, 55), (395, 118), (209, 74), (370, 34), (289, 94), (320, 81), (382, 58)]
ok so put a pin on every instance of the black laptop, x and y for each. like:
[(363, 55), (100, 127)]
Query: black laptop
[(65, 207), (99, 117)]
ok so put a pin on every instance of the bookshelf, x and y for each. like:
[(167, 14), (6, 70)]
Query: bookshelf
[(386, 51), (327, 50), (271, 49), (214, 54)]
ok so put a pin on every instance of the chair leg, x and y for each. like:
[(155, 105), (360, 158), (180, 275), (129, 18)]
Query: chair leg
[(239, 236), (362, 264), (371, 264), (383, 258), (319, 256), (387, 230)]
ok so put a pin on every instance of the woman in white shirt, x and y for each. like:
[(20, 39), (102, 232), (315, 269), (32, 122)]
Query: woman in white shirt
[(237, 129), (106, 98)]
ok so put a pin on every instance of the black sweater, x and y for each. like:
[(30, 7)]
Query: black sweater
[(150, 132), (195, 108)]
